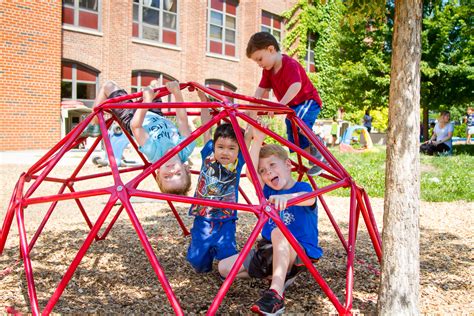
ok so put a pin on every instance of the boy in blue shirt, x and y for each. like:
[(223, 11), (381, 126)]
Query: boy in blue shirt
[(213, 231), (155, 134), (274, 256)]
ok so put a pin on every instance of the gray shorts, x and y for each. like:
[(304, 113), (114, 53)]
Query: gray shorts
[(259, 262)]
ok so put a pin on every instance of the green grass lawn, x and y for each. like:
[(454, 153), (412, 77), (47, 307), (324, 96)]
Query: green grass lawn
[(442, 178)]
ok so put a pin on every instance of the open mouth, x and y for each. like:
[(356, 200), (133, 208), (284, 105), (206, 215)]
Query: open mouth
[(274, 181)]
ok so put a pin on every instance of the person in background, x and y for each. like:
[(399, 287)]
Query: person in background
[(470, 124), (441, 140), (368, 121)]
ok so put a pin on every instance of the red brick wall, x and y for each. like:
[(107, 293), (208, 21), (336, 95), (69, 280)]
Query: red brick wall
[(30, 74), (33, 43)]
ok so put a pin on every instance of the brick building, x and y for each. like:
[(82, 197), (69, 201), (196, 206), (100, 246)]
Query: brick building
[(55, 55)]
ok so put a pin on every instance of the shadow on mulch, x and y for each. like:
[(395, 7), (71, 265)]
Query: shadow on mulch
[(115, 275)]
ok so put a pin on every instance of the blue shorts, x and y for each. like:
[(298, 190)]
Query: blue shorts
[(308, 111), (210, 240)]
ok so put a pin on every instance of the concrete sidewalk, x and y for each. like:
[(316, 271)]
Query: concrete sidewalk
[(30, 157)]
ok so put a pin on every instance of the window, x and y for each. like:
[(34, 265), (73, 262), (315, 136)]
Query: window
[(309, 58), (222, 27), (79, 83), (155, 20), (82, 13), (143, 78), (221, 85), (272, 24)]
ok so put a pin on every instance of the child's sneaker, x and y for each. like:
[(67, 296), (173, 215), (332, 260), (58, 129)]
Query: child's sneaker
[(315, 170), (91, 131), (294, 272), (271, 303)]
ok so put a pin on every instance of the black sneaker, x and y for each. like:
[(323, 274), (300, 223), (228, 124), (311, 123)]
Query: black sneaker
[(271, 303), (291, 276)]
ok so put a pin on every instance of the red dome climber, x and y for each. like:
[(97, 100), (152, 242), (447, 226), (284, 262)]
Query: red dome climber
[(120, 190)]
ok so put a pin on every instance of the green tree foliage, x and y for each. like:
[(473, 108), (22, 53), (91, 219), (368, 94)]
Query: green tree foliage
[(322, 21), (447, 67), (352, 64), (353, 50)]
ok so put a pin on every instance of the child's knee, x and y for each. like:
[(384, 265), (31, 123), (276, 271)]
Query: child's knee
[(223, 268)]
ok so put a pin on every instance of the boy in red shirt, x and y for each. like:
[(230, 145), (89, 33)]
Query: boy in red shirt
[(290, 84)]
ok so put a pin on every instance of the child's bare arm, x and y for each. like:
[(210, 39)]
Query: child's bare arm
[(136, 124), (291, 93), (280, 201), (258, 138), (249, 129), (205, 116), (259, 92), (181, 114)]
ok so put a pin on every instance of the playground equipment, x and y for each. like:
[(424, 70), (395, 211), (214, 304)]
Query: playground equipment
[(122, 191), (347, 138)]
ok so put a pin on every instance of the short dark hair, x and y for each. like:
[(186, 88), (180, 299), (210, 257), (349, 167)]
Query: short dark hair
[(261, 40), (225, 130)]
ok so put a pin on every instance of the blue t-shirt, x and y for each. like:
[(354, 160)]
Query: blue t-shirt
[(163, 135), (217, 182), (302, 221)]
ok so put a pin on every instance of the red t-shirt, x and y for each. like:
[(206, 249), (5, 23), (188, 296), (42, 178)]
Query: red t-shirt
[(290, 72)]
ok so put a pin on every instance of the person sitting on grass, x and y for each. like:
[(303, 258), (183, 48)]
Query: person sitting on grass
[(442, 139), (274, 256), (154, 134), (213, 231)]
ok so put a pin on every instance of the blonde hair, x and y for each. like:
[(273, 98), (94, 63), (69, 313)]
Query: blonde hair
[(181, 190), (273, 149)]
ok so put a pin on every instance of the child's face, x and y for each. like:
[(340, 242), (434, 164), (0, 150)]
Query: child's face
[(265, 58), (276, 172), (173, 173), (226, 150)]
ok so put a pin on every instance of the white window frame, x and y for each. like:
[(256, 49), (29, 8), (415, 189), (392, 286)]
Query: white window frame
[(159, 77), (272, 27), (160, 27), (74, 83), (307, 58), (76, 15), (224, 28)]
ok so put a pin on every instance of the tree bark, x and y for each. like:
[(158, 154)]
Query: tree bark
[(399, 283)]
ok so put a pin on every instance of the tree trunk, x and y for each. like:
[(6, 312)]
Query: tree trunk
[(399, 283)]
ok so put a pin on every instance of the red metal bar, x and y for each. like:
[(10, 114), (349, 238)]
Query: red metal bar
[(178, 218), (238, 263), (331, 218), (109, 227), (7, 222), (320, 147), (80, 254), (81, 208), (351, 250), (247, 158), (359, 202), (125, 198), (45, 220), (292, 146), (67, 196), (307, 262), (369, 223), (190, 200), (24, 250)]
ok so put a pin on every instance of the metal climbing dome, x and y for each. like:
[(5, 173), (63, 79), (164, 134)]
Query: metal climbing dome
[(123, 190)]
